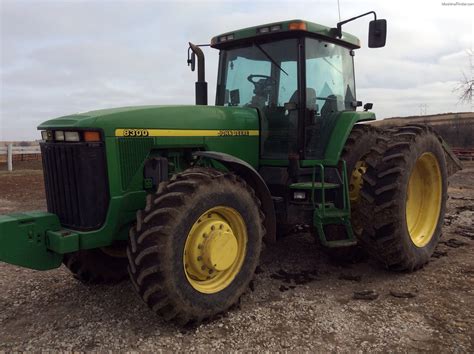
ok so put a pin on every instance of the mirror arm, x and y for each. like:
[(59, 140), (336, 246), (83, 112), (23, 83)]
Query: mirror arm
[(189, 61), (338, 30)]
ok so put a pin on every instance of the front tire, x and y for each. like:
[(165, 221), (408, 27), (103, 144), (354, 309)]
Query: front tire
[(195, 247), (99, 265)]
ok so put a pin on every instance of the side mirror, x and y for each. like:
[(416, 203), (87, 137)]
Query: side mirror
[(368, 106), (192, 61), (377, 33)]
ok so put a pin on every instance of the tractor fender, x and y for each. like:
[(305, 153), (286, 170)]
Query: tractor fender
[(253, 178), (341, 127)]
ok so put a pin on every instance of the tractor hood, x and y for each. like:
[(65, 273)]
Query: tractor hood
[(158, 117)]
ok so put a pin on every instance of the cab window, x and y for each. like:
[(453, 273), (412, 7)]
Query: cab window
[(330, 89), (264, 76)]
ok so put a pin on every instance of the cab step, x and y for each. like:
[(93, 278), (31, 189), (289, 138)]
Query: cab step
[(340, 243), (330, 215), (331, 212), (315, 185)]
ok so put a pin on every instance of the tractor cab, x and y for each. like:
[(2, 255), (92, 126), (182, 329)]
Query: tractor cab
[(298, 75), (296, 81)]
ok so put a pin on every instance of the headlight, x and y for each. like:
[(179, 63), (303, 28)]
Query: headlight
[(228, 37), (59, 135), (47, 135), (71, 136)]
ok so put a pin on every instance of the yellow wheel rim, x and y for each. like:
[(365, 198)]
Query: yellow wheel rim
[(424, 196), (215, 249), (355, 185), (356, 181)]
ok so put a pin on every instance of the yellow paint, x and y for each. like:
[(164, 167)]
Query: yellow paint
[(137, 133), (423, 201), (355, 185), (215, 249), (356, 181), (220, 250)]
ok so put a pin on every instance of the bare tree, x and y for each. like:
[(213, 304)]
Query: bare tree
[(465, 86)]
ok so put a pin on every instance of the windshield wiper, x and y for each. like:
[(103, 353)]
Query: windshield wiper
[(331, 64), (270, 58)]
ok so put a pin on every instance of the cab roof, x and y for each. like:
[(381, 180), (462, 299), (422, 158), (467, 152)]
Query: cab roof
[(283, 28)]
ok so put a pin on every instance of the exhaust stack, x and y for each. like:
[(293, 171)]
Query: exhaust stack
[(201, 84)]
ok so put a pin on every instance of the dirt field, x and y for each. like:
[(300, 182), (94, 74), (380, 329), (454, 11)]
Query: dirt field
[(299, 299)]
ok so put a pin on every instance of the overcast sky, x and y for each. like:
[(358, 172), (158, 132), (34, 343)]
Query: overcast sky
[(63, 57)]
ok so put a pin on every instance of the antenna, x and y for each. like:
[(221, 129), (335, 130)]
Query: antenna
[(471, 53), (339, 10), (423, 109)]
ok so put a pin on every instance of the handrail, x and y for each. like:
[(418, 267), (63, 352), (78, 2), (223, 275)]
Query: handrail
[(345, 188), (345, 193), (323, 194)]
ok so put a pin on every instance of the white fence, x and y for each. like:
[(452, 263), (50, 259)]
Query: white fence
[(19, 152)]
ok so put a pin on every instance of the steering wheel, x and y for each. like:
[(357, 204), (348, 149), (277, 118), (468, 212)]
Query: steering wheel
[(252, 77)]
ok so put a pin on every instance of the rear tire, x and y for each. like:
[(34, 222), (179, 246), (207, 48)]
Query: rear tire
[(169, 247), (404, 198)]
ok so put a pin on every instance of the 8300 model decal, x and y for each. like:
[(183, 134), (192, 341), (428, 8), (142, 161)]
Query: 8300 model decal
[(134, 132), (131, 133)]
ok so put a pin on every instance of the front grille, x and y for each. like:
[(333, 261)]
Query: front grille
[(75, 176), (132, 152)]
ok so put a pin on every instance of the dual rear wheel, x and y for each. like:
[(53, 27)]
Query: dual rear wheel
[(403, 197), (398, 192)]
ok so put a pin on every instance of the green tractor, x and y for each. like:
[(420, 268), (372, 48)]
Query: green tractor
[(181, 198)]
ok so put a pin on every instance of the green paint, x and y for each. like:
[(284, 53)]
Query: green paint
[(132, 154), (332, 215), (63, 241), (344, 122), (126, 156), (311, 27), (23, 240), (174, 117), (147, 183)]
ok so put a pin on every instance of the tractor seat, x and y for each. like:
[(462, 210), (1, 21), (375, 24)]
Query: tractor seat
[(310, 98)]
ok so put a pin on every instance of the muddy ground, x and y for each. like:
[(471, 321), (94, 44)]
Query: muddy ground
[(300, 300)]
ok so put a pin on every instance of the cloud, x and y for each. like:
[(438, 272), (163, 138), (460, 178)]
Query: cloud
[(65, 57)]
